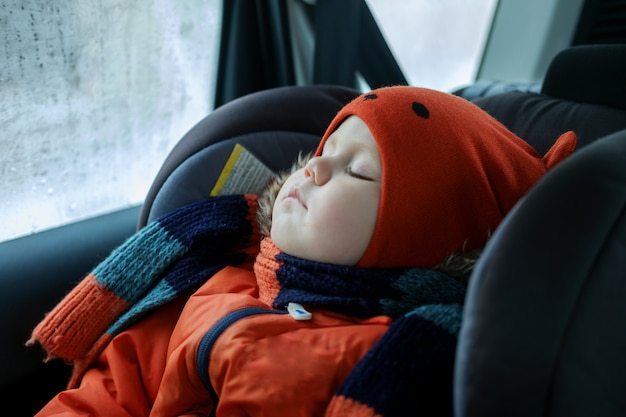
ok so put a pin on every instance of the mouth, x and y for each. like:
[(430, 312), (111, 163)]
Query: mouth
[(295, 194)]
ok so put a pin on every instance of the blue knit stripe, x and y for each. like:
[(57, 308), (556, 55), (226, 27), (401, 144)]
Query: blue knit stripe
[(140, 261), (446, 316), (209, 221), (158, 295), (180, 251), (421, 287), (409, 370), (343, 289), (192, 271)]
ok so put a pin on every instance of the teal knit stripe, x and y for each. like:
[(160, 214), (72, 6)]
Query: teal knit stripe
[(419, 287), (446, 316), (156, 249), (158, 296)]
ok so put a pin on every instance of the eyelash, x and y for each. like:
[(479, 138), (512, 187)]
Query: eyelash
[(350, 172)]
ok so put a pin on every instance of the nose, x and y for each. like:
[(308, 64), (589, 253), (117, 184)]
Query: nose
[(319, 169)]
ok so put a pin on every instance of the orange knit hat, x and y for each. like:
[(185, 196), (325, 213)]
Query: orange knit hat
[(451, 172)]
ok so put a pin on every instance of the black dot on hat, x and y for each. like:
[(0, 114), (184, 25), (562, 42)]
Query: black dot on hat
[(420, 110), (370, 97)]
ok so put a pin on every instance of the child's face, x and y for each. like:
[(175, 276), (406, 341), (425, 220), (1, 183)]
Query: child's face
[(327, 211)]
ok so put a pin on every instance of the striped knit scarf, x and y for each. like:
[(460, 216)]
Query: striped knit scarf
[(357, 292), (411, 366), (171, 256), (409, 372)]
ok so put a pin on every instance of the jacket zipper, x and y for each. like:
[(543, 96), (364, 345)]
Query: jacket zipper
[(209, 339)]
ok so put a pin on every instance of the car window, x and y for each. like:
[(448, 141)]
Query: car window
[(438, 44), (94, 95)]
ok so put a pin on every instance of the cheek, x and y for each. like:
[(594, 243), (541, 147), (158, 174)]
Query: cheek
[(348, 222), (352, 213), (337, 228), (287, 219)]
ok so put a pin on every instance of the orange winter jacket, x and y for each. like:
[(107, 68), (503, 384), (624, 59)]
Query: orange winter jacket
[(222, 351), (218, 348)]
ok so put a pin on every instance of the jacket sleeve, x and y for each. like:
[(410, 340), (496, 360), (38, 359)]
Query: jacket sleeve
[(409, 371), (125, 378)]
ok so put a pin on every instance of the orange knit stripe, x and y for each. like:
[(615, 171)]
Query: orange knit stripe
[(342, 406), (63, 333), (265, 269)]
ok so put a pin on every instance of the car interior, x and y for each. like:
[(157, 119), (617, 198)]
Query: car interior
[(542, 331)]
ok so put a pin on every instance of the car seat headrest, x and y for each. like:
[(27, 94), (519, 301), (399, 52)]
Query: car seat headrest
[(273, 125), (540, 119), (583, 90), (589, 74)]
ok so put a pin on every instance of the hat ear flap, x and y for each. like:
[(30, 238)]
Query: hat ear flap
[(562, 148)]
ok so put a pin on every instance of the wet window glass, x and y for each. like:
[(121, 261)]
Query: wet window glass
[(94, 95)]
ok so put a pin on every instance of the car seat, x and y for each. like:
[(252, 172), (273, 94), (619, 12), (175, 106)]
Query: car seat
[(543, 333), (542, 330), (546, 305)]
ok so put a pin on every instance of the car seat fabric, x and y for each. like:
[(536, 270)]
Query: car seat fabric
[(274, 125), (539, 118), (583, 90), (545, 310), (589, 74), (483, 88)]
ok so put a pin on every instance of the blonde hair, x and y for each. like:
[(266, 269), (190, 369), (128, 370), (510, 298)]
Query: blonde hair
[(268, 196)]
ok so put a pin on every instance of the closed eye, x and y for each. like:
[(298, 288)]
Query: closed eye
[(355, 174)]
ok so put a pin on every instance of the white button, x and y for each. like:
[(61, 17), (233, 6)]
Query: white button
[(298, 312)]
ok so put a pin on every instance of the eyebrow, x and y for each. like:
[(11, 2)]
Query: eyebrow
[(332, 139)]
